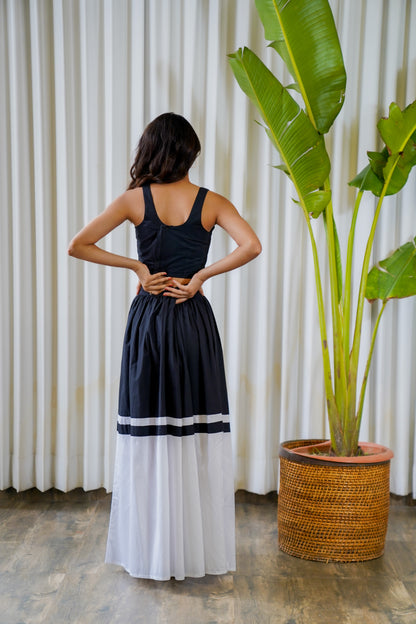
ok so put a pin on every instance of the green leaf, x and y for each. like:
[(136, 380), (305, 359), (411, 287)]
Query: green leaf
[(304, 34), (397, 129), (367, 180), (394, 277), (397, 158), (318, 201), (294, 86), (378, 161), (301, 147), (281, 48), (282, 168), (401, 167)]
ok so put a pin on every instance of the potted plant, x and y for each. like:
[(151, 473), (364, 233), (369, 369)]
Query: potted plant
[(303, 33)]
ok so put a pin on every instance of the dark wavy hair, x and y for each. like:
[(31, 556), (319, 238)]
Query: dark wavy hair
[(166, 151)]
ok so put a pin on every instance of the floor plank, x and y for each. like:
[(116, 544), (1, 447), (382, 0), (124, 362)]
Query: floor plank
[(52, 570)]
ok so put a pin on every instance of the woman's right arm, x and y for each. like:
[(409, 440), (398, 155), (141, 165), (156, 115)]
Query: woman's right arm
[(224, 214), (248, 244)]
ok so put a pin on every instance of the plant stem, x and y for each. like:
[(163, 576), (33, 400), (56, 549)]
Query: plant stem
[(340, 379), (355, 351), (347, 285), (333, 413), (367, 369)]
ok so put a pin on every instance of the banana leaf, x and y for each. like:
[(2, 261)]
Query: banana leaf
[(305, 36), (397, 129), (367, 180), (301, 147), (394, 277), (397, 158)]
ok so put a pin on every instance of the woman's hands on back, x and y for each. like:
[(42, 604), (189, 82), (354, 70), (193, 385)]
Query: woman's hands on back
[(183, 292), (159, 283), (154, 283)]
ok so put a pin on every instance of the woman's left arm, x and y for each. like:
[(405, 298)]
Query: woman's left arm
[(83, 245)]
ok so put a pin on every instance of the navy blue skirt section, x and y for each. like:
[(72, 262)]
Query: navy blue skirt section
[(172, 369)]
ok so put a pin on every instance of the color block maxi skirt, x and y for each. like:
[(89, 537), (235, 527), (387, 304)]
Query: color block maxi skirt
[(172, 511)]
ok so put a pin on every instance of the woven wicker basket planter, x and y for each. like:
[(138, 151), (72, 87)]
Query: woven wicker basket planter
[(332, 510)]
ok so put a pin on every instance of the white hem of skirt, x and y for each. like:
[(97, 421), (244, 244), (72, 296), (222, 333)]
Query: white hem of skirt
[(172, 512), (176, 578)]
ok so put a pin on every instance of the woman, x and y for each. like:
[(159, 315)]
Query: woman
[(172, 510)]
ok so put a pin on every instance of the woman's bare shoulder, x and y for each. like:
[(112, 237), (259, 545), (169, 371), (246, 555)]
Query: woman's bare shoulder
[(132, 203), (216, 207), (218, 202)]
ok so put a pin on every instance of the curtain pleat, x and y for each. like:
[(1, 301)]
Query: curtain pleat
[(79, 80)]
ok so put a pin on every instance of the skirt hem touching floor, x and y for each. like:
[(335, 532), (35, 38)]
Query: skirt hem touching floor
[(172, 509), (154, 577)]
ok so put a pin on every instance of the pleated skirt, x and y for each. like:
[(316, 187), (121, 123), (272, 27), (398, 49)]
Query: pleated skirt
[(172, 511)]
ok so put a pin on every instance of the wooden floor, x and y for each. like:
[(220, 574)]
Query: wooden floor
[(52, 571)]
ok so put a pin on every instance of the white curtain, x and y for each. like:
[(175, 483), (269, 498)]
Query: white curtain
[(79, 79)]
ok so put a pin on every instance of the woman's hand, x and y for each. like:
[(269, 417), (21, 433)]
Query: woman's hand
[(154, 283), (183, 292)]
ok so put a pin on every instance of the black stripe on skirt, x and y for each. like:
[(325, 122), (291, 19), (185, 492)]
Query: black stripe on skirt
[(173, 430)]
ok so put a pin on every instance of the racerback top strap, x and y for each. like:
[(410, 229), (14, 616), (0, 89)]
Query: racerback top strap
[(180, 250), (193, 217)]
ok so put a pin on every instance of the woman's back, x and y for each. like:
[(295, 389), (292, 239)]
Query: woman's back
[(174, 201), (170, 236)]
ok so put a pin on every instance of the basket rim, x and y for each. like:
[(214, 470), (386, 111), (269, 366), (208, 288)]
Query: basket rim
[(292, 450)]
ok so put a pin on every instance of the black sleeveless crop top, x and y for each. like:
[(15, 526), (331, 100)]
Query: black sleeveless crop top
[(180, 250)]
